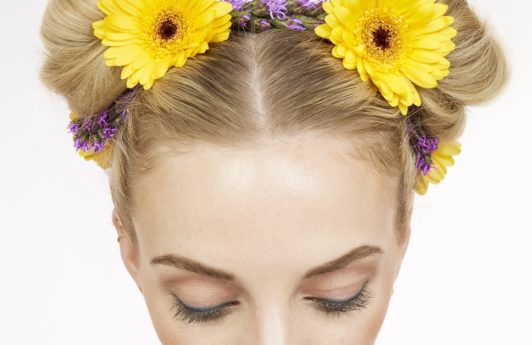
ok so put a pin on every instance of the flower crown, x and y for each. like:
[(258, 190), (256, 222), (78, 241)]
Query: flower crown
[(397, 45)]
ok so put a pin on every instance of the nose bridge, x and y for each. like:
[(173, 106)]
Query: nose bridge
[(272, 308), (272, 324)]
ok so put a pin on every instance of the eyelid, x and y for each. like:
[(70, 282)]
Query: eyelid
[(340, 301), (222, 305)]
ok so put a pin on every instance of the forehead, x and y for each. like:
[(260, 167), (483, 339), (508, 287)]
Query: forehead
[(308, 190)]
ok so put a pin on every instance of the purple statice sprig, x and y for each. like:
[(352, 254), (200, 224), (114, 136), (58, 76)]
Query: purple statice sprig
[(423, 145), (295, 24), (262, 15), (238, 5), (310, 4), (424, 148), (276, 8), (93, 133)]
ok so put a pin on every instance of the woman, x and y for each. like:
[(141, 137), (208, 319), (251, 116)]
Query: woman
[(264, 155)]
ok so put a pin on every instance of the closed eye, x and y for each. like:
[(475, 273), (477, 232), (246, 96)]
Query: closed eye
[(338, 307), (190, 314)]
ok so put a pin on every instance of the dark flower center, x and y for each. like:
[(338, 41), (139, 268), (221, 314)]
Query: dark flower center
[(167, 29), (381, 38)]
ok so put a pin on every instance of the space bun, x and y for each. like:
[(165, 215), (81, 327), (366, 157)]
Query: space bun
[(478, 73), (74, 65)]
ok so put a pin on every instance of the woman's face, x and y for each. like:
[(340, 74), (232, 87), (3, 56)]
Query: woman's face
[(293, 243)]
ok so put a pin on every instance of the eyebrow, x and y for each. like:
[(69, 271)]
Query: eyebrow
[(188, 264)]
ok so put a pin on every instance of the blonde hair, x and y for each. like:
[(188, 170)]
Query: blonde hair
[(276, 83)]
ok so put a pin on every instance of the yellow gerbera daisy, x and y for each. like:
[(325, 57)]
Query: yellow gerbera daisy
[(149, 36), (395, 43), (441, 158)]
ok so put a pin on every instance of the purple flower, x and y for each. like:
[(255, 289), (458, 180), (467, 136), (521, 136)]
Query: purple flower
[(109, 132), (424, 147), (87, 124), (295, 24), (85, 146), (244, 20), (102, 119), (310, 4), (238, 4), (98, 146), (277, 8), (73, 127), (427, 144), (423, 165), (264, 24), (101, 127), (77, 143)]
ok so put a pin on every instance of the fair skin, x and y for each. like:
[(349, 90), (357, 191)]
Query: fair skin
[(266, 217)]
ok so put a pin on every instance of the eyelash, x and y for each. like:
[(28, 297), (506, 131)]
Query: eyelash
[(185, 313), (329, 307)]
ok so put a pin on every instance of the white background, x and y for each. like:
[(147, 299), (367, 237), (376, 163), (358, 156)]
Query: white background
[(466, 278)]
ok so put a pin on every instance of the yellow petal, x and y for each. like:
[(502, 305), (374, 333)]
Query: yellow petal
[(435, 25), (339, 51), (121, 23), (350, 60), (362, 70), (403, 108), (438, 164), (128, 8), (126, 71), (161, 67), (419, 77), (421, 186), (181, 59), (220, 37), (337, 35), (328, 7), (205, 19), (323, 30), (344, 16), (435, 175), (398, 84)]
